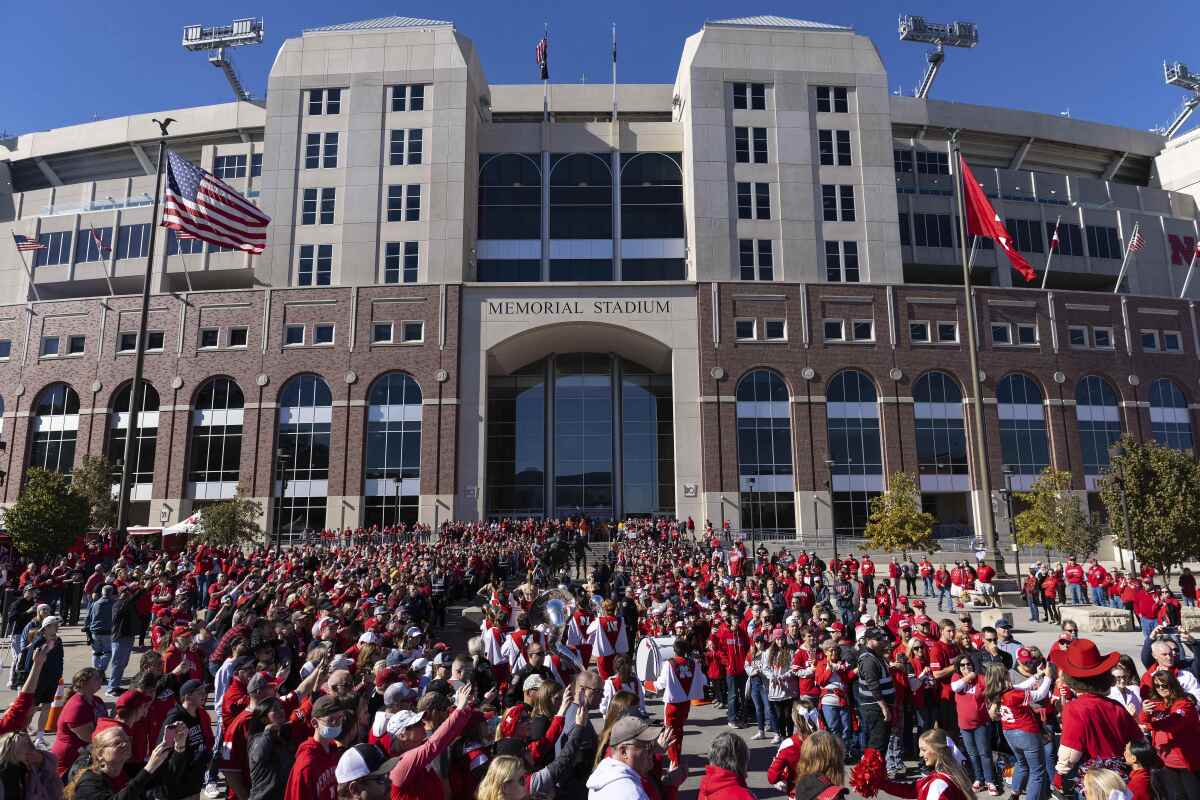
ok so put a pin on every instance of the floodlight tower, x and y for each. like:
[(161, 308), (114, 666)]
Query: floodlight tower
[(956, 34), (1177, 75), (240, 32)]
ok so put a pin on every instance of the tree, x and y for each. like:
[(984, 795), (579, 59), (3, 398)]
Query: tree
[(231, 523), (1162, 501), (47, 517), (897, 521), (1054, 517), (92, 480)]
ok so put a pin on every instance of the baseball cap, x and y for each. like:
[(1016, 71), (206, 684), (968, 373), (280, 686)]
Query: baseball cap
[(630, 729), (1003, 623), (361, 761), (261, 680), (402, 720), (189, 686), (396, 693), (131, 700), (532, 682), (326, 706), (51, 620), (368, 638), (1024, 656)]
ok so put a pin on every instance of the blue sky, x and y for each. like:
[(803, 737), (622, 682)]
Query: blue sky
[(1101, 60)]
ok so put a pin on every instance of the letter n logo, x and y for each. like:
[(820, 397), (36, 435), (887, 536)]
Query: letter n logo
[(1182, 248)]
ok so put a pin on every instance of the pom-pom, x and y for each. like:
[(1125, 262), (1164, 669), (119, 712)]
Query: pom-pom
[(868, 774)]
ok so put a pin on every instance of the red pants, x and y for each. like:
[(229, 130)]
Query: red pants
[(605, 665), (675, 715), (585, 654)]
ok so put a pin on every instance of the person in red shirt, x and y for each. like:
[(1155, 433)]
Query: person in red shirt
[(1073, 574), (411, 777), (1096, 576), (1187, 587), (1145, 777), (313, 775), (943, 655), (984, 576), (868, 573), (1170, 715), (732, 644)]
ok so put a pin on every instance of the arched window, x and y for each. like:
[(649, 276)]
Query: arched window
[(392, 475), (941, 433), (1024, 445), (55, 429), (1170, 420), (766, 480), (651, 196), (852, 412), (510, 207), (581, 208), (305, 414), (145, 437), (216, 448), (1099, 416)]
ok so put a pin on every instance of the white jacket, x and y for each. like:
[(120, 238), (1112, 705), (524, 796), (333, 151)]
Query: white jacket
[(613, 780)]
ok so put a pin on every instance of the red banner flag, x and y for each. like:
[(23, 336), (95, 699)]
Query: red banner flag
[(982, 220)]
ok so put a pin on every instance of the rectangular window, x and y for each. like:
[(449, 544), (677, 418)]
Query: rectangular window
[(829, 202), (743, 330), (776, 330), (226, 167), (1103, 242), (758, 96), (408, 97), (745, 201), (210, 338), (184, 247), (315, 102), (864, 330), (49, 345), (825, 147), (903, 161), (1027, 233), (741, 145), (5, 349), (396, 148), (312, 151), (1070, 238), (843, 148), (760, 145), (255, 165), (1001, 333), (381, 333), (1150, 341), (918, 332), (400, 262), (329, 155), (947, 332), (846, 195), (238, 337), (308, 208), (323, 334), (395, 203), (837, 203), (293, 335), (741, 96), (95, 244), (1027, 333), (1102, 338), (413, 332), (398, 153), (133, 241), (328, 203), (934, 163), (905, 230), (154, 341), (833, 99), (766, 260), (746, 258), (57, 249), (415, 139), (412, 203), (835, 330), (315, 267), (1077, 335), (324, 101), (126, 342), (932, 230), (762, 201), (1172, 342), (841, 262), (75, 345)]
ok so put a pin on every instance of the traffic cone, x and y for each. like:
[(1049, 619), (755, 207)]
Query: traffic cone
[(56, 707)]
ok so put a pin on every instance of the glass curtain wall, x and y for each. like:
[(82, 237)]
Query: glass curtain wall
[(766, 479), (1170, 420), (305, 414), (55, 429), (393, 462), (852, 409)]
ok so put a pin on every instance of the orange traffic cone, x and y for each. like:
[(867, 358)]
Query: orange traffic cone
[(56, 707)]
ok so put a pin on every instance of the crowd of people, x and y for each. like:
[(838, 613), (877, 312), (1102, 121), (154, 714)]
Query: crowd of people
[(328, 670)]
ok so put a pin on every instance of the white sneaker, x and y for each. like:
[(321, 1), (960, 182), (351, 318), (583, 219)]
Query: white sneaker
[(212, 790), (733, 725), (776, 739), (759, 735)]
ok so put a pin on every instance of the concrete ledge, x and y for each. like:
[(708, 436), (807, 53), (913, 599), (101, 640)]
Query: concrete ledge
[(473, 616), (990, 616), (1094, 619)]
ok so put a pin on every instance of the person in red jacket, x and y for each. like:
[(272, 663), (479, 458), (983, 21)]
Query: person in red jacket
[(984, 576), (868, 573), (1073, 574), (732, 645), (1187, 587), (313, 772), (412, 778), (782, 772), (728, 764), (1170, 715), (1096, 576), (1145, 777)]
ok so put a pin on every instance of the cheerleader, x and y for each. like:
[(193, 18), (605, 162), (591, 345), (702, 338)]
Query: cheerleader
[(946, 779)]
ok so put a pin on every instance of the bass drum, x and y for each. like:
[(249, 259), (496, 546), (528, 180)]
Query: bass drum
[(652, 652)]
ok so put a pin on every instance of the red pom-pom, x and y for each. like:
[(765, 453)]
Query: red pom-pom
[(868, 774)]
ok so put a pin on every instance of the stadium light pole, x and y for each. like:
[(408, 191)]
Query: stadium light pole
[(136, 391)]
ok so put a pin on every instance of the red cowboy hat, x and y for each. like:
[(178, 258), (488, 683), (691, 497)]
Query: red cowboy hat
[(1082, 659)]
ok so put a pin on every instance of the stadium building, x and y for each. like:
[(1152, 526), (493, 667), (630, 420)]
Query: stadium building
[(738, 298)]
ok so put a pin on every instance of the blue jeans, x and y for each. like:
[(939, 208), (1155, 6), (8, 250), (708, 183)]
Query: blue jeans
[(1148, 624), (928, 581), (1029, 774), (1189, 602), (763, 713), (978, 742), (121, 648), (944, 594), (837, 721), (1033, 607), (1099, 596), (101, 650), (1077, 596), (735, 697)]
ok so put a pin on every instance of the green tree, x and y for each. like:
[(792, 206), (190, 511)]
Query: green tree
[(92, 480), (231, 522), (1054, 518), (1162, 502), (47, 516), (896, 521)]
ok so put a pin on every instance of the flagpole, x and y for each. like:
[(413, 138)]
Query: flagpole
[(546, 72), (1188, 278), (100, 244), (982, 471), (614, 75), (28, 271), (974, 249), (135, 394), (1050, 255), (1125, 260)]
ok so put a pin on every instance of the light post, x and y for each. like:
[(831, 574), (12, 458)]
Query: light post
[(1012, 525), (1116, 453), (398, 483), (282, 460), (753, 521), (829, 488)]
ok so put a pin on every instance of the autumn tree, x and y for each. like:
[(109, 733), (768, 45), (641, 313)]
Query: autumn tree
[(93, 480), (896, 521), (231, 523), (1054, 517), (47, 516)]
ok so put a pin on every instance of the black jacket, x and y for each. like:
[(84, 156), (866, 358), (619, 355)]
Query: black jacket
[(125, 621), (142, 785), (809, 787), (271, 760)]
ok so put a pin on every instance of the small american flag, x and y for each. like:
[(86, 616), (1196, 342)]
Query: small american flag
[(26, 244), (208, 209), (542, 54), (1137, 240)]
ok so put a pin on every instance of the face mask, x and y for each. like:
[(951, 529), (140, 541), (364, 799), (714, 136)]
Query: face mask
[(328, 732)]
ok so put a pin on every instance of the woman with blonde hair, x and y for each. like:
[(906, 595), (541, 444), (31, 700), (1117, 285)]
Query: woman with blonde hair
[(947, 780), (820, 771), (505, 780), (102, 773), (1104, 784), (26, 772)]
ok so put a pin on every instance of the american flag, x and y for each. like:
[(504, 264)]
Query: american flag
[(542, 54), (207, 209), (1136, 242), (99, 240), (25, 243)]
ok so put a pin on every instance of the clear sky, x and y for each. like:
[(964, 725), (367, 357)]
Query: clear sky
[(77, 61)]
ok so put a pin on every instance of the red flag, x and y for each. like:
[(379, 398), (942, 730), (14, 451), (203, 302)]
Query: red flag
[(982, 220), (1054, 239)]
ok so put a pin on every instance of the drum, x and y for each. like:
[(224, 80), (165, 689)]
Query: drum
[(652, 651)]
